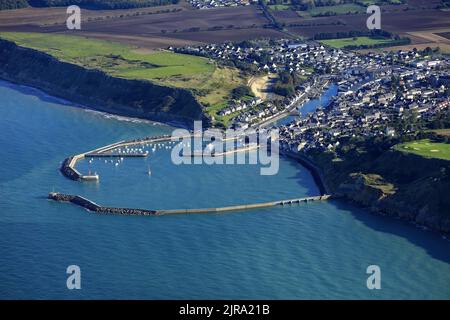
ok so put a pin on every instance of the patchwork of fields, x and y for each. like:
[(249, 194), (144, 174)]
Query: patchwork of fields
[(181, 25), (150, 28), (411, 16)]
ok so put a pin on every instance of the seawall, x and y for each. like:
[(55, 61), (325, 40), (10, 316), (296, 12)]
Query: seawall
[(92, 206), (98, 90), (315, 171)]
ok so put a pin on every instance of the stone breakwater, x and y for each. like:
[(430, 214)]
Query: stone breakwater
[(68, 171), (92, 206)]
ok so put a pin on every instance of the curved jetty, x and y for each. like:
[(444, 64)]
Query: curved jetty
[(68, 166), (92, 206)]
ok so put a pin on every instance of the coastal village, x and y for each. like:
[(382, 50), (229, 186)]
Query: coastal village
[(245, 150), (375, 90), (374, 107)]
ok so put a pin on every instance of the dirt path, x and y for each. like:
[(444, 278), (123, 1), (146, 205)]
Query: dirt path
[(261, 86)]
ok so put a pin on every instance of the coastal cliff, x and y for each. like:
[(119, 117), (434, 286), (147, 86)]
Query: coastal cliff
[(97, 90), (393, 183)]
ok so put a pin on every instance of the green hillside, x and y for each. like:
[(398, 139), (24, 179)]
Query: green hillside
[(114, 58), (212, 85)]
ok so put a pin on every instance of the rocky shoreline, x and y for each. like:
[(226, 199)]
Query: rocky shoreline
[(364, 198), (420, 200)]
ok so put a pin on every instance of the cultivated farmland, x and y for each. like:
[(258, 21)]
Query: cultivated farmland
[(150, 28), (413, 16), (333, 10)]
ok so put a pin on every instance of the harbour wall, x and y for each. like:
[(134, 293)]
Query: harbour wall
[(315, 171), (92, 206), (68, 166)]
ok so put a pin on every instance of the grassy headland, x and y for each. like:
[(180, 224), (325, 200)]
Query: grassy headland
[(212, 85), (412, 184), (114, 58)]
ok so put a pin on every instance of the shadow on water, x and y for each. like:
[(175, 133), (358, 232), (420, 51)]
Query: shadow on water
[(432, 242), (304, 178), (37, 93)]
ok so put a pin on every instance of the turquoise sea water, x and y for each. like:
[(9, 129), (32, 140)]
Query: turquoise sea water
[(316, 250)]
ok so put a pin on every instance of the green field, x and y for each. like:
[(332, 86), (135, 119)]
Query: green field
[(210, 84), (358, 41), (426, 148), (114, 58), (337, 9), (213, 91)]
